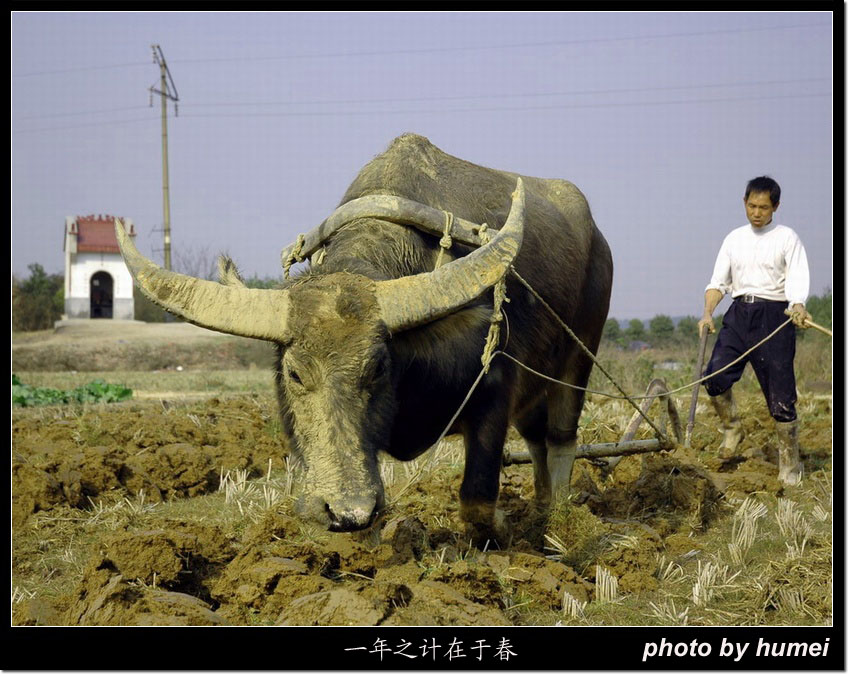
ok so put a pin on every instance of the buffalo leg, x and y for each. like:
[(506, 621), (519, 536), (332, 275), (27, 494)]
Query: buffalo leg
[(478, 494), (564, 407), (532, 427)]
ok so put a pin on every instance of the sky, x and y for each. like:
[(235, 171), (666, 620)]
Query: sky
[(660, 118)]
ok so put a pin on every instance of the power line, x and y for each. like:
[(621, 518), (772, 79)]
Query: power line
[(65, 71), (117, 122), (427, 50), (501, 46), (85, 112), (523, 108), (418, 99), (584, 92), (528, 108)]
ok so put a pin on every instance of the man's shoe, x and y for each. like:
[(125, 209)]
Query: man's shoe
[(791, 470), (730, 422)]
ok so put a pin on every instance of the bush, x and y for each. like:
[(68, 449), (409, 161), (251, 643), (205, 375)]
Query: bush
[(39, 301), (267, 283)]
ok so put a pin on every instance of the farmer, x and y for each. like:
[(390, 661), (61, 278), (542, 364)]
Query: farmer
[(764, 268)]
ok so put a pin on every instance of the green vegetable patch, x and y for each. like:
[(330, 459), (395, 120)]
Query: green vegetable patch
[(97, 391)]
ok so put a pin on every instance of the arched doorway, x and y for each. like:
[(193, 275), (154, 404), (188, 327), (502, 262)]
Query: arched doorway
[(101, 295)]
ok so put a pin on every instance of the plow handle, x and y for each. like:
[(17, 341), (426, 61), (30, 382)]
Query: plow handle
[(702, 348)]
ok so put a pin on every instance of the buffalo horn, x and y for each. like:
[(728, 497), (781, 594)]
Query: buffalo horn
[(206, 303), (384, 207), (415, 300)]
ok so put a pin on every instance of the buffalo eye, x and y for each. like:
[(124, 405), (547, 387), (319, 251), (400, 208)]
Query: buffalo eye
[(374, 370), (295, 377)]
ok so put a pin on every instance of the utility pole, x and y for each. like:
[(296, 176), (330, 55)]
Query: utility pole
[(167, 89)]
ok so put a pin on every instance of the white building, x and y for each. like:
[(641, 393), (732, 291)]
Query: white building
[(97, 282)]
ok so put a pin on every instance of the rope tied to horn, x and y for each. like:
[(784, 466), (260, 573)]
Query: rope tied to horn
[(493, 336), (295, 256), (446, 241)]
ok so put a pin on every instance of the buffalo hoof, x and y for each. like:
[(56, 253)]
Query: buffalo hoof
[(488, 532)]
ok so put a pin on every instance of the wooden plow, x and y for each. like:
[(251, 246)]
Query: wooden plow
[(657, 390)]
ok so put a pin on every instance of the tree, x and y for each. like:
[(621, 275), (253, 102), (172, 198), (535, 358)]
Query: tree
[(821, 308), (661, 327), (635, 330), (196, 262), (687, 329), (37, 302), (612, 330)]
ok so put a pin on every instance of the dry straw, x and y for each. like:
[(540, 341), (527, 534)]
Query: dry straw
[(791, 598), (571, 607), (606, 585), (794, 526), (19, 594), (556, 546), (669, 571), (710, 578), (264, 496), (745, 523), (668, 614)]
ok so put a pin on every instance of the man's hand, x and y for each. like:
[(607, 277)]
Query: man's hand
[(799, 315), (706, 321), (712, 297)]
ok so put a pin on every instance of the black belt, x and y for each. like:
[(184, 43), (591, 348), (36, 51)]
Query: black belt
[(750, 299)]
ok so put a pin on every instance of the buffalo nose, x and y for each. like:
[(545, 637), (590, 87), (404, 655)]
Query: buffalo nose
[(350, 518)]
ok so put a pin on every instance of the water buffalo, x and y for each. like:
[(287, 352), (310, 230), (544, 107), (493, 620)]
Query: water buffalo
[(377, 346)]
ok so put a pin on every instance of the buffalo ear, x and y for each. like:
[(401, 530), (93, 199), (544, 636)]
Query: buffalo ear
[(228, 273)]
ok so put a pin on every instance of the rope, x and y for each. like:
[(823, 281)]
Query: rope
[(586, 351), (295, 256), (446, 241), (601, 393), (432, 459), (676, 390), (624, 396), (487, 362), (493, 336), (494, 333)]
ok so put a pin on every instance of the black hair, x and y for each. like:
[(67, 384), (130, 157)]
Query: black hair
[(764, 184)]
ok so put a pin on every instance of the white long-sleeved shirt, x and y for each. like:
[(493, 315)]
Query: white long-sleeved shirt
[(769, 262)]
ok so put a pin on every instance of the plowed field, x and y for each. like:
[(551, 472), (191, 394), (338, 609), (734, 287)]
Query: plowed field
[(176, 509)]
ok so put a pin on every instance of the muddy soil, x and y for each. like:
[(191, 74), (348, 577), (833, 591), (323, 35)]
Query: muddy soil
[(181, 555), (414, 568)]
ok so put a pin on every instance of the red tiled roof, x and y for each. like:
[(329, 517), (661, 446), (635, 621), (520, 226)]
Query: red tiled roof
[(96, 234)]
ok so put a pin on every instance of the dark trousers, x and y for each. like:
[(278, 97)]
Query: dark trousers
[(743, 326)]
